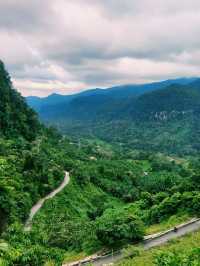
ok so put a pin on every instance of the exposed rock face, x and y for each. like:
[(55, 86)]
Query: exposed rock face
[(168, 115)]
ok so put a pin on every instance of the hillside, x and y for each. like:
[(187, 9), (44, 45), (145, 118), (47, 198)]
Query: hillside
[(25, 169), (30, 167), (16, 118), (165, 119), (112, 199), (172, 101), (56, 105), (39, 104)]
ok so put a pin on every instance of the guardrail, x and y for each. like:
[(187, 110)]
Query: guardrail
[(94, 258), (158, 235), (146, 240)]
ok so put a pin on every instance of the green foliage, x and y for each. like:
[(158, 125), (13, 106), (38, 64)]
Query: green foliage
[(162, 120), (27, 172), (188, 201), (181, 251), (16, 118), (34, 255), (114, 191), (116, 227), (132, 251), (190, 258)]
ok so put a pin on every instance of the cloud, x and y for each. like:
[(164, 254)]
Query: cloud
[(43, 88), (23, 15), (66, 46)]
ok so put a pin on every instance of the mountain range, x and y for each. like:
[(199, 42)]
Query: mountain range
[(162, 115), (117, 92)]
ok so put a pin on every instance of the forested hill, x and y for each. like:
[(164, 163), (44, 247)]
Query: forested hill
[(16, 118), (162, 117), (113, 196), (29, 163), (61, 106), (119, 101), (171, 101)]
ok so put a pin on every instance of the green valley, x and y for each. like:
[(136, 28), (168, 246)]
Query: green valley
[(125, 181), (163, 118)]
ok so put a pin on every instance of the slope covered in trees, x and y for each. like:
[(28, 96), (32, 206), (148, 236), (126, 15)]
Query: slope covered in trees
[(16, 118), (162, 117), (28, 166), (32, 163), (72, 106), (113, 196)]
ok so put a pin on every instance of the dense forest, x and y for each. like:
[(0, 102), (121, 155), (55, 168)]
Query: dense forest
[(115, 195), (163, 117)]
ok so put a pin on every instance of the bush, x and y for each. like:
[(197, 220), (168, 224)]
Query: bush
[(116, 227), (192, 257), (132, 251)]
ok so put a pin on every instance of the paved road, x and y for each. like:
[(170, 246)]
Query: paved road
[(40, 203), (153, 241), (171, 234)]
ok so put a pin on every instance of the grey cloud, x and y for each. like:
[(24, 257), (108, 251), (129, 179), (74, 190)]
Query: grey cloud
[(98, 42), (23, 15)]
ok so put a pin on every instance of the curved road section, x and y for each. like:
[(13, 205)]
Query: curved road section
[(149, 242), (40, 203)]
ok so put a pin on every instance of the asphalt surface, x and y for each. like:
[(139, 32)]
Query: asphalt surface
[(40, 203), (152, 242)]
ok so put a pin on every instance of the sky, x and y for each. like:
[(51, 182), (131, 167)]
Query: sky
[(66, 46)]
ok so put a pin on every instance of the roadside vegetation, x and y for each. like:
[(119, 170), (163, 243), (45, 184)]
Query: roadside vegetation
[(168, 223), (183, 251)]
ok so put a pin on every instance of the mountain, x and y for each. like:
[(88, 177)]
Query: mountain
[(139, 89), (166, 111), (173, 99), (115, 194), (37, 103), (55, 99), (166, 120), (56, 105), (23, 176), (31, 165), (16, 118)]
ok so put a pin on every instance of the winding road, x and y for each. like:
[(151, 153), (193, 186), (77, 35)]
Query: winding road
[(40, 203), (149, 242)]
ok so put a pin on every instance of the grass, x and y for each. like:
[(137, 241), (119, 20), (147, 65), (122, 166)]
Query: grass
[(73, 256), (181, 245), (165, 225)]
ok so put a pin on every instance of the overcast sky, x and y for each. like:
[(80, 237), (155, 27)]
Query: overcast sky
[(65, 46)]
